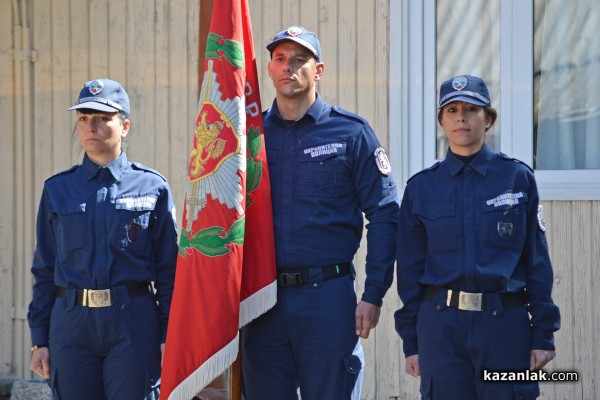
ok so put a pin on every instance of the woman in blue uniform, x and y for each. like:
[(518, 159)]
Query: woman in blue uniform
[(105, 232), (474, 273)]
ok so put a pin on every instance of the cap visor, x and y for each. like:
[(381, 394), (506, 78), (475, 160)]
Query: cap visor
[(92, 105), (466, 99)]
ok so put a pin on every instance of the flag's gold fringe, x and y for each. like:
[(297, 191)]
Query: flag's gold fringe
[(258, 304), (207, 372)]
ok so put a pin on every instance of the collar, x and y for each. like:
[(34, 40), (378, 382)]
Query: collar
[(115, 167), (479, 164), (314, 111)]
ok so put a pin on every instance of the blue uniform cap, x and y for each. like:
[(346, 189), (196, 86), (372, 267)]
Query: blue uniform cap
[(299, 35), (467, 88), (103, 95)]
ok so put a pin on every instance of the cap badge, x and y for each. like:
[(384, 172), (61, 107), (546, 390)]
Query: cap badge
[(459, 82), (294, 31), (96, 87)]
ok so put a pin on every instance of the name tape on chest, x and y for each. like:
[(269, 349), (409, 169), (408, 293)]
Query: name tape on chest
[(136, 203), (326, 149), (505, 199)]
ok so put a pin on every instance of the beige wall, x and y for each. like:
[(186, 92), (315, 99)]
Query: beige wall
[(151, 47)]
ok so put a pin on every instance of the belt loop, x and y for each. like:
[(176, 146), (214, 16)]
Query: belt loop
[(494, 304), (449, 298)]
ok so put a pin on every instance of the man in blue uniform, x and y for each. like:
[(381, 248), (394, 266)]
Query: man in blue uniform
[(473, 262), (105, 231), (326, 169)]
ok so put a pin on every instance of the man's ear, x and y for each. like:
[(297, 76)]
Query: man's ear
[(320, 71)]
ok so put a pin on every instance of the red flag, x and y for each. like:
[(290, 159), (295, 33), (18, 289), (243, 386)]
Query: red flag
[(226, 264)]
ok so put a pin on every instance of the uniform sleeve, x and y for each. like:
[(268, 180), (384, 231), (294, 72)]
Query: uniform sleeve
[(545, 316), (410, 264), (164, 245), (378, 199), (44, 290)]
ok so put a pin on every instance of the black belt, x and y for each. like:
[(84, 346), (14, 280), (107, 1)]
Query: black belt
[(104, 297), (474, 301), (297, 277)]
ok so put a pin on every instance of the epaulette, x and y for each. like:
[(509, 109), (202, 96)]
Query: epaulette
[(347, 113), (66, 171), (431, 168), (147, 169), (508, 158)]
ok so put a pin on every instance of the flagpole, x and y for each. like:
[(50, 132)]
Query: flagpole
[(235, 378), (206, 8)]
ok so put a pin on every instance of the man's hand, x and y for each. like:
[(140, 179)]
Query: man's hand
[(40, 362), (539, 358), (411, 366), (366, 318)]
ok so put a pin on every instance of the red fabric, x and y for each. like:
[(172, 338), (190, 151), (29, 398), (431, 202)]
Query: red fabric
[(227, 254)]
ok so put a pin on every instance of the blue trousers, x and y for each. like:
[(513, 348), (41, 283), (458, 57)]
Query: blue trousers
[(455, 347), (306, 341), (109, 353)]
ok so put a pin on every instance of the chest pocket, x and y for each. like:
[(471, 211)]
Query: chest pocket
[(439, 219), (70, 226), (320, 167), (505, 222), (135, 223)]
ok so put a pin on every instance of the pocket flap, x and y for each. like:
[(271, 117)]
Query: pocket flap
[(434, 209), (71, 207)]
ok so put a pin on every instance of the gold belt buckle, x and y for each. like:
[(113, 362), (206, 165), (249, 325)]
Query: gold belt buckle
[(97, 298)]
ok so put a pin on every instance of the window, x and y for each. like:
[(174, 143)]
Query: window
[(468, 43), (566, 85), (540, 59)]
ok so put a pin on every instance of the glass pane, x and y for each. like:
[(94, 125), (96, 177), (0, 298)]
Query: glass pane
[(566, 85), (468, 43)]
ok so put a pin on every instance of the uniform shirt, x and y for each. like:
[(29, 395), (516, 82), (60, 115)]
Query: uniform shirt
[(474, 228), (324, 175), (98, 228)]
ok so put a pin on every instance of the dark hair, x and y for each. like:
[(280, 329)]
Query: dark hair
[(490, 113), (122, 114)]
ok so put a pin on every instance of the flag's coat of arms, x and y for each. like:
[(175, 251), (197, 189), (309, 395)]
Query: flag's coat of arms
[(217, 156)]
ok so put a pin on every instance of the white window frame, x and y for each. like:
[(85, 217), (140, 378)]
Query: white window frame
[(413, 91)]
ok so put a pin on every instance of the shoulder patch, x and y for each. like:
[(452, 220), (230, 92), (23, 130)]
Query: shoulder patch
[(347, 113), (66, 171), (508, 158), (540, 218), (142, 167), (431, 168), (382, 161)]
